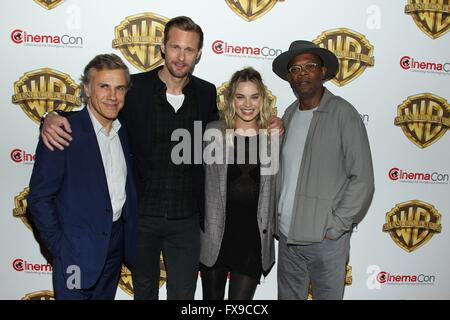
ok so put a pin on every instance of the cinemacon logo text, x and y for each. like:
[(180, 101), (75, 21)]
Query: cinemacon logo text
[(411, 64), (19, 36), (21, 265), (21, 156), (396, 174), (378, 278), (222, 47), (387, 278)]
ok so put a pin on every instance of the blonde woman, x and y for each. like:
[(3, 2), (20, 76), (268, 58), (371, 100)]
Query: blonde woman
[(239, 194)]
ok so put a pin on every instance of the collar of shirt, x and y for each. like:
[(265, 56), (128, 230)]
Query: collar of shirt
[(162, 88), (98, 128)]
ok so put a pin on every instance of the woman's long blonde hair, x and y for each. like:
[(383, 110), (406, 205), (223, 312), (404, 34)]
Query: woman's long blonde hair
[(228, 112)]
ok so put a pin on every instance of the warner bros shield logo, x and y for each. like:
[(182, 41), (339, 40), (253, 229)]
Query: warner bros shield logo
[(39, 295), (126, 280), (45, 90), (20, 207), (49, 4), (250, 10), (424, 118), (138, 38), (431, 16), (353, 50), (413, 223)]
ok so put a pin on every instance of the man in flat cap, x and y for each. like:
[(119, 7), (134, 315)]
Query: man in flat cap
[(326, 181)]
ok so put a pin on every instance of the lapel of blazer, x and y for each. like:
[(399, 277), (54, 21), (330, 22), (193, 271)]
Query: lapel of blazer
[(263, 178), (222, 173), (228, 153), (263, 193), (261, 150), (262, 181), (130, 186), (125, 146), (98, 169), (128, 156)]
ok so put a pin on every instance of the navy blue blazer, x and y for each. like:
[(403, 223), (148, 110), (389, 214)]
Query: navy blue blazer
[(70, 205)]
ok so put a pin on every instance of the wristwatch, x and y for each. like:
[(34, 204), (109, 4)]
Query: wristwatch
[(58, 112)]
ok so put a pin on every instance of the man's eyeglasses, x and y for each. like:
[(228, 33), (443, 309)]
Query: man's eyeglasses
[(308, 67)]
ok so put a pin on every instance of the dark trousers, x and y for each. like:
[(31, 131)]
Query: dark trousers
[(106, 286), (179, 241)]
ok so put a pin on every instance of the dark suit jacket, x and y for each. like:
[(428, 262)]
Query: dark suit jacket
[(138, 107), (70, 204)]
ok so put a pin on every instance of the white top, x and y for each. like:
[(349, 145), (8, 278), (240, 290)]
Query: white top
[(176, 101), (291, 158), (113, 163)]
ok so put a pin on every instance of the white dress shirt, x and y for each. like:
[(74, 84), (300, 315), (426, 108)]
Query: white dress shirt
[(113, 163)]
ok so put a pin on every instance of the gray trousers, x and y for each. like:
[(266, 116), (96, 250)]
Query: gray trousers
[(320, 264)]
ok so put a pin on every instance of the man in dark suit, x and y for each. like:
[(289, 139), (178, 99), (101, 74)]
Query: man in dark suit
[(83, 199)]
